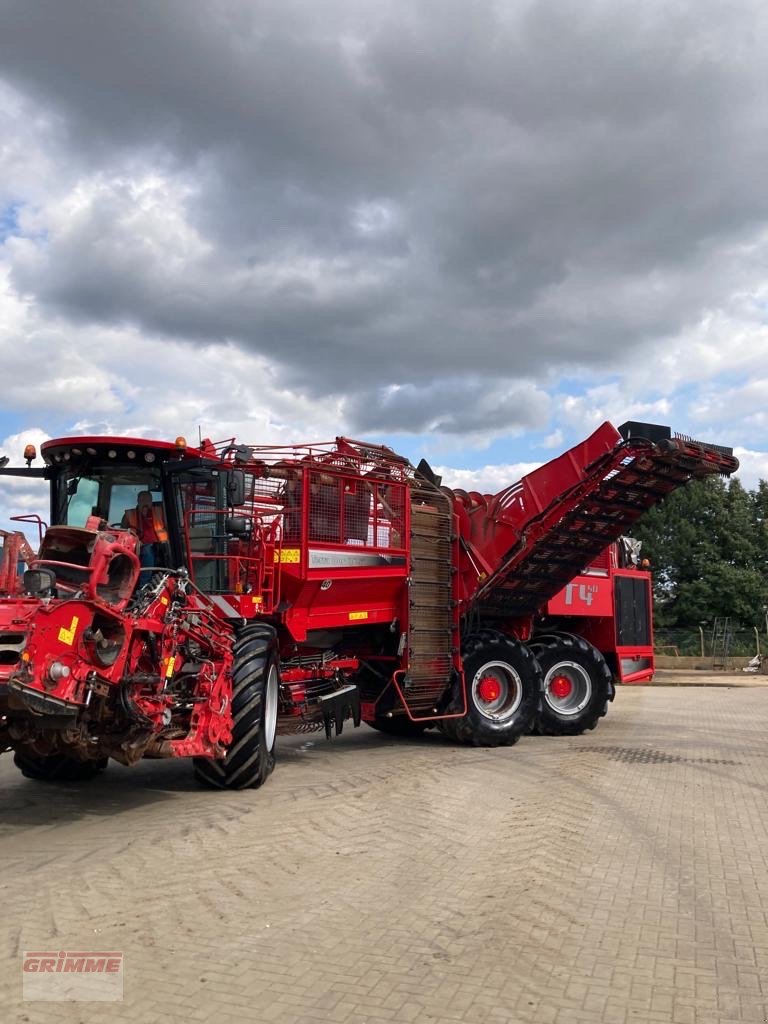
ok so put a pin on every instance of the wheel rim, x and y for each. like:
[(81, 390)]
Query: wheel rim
[(567, 688), (270, 708), (497, 691)]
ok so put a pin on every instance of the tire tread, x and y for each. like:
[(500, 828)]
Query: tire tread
[(247, 763), (472, 728), (548, 723)]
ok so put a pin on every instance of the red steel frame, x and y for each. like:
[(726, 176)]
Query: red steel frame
[(587, 606)]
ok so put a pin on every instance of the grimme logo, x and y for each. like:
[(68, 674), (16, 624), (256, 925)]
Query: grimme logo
[(73, 975)]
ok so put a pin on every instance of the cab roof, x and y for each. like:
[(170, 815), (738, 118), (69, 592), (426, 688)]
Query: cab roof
[(62, 449)]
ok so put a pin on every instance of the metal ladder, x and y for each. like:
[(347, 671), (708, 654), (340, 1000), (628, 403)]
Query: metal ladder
[(722, 642), (433, 633)]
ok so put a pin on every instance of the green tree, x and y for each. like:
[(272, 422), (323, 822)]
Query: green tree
[(708, 546), (760, 519)]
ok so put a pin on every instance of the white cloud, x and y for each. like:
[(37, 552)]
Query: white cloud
[(616, 402), (20, 496), (486, 479), (553, 440), (748, 402), (753, 466)]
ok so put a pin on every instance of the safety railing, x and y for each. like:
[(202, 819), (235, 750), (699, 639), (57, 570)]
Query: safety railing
[(234, 553)]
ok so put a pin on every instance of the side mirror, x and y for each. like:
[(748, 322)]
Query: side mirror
[(235, 488)]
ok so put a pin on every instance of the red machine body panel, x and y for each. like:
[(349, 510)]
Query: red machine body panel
[(612, 608), (586, 595)]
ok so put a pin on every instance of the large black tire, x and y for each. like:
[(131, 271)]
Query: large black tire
[(399, 726), (56, 767), (503, 682), (250, 759), (576, 688)]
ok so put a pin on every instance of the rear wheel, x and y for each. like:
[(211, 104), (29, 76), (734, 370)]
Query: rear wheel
[(577, 686), (56, 767), (250, 758), (503, 683)]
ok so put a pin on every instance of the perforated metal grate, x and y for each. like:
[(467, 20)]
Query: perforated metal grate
[(648, 755)]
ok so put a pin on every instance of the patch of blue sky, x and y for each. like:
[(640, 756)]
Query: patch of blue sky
[(573, 386), (9, 424), (9, 220), (14, 422), (684, 398)]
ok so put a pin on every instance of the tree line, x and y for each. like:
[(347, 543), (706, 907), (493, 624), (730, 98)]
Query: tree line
[(708, 547)]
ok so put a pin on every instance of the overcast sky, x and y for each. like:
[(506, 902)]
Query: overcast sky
[(471, 230)]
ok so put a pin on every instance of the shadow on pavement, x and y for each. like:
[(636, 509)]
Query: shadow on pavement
[(121, 790), (29, 803)]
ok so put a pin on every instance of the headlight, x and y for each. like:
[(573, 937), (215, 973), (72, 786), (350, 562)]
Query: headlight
[(39, 581)]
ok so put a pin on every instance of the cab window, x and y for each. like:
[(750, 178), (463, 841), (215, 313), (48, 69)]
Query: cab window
[(82, 502), (104, 492), (124, 497)]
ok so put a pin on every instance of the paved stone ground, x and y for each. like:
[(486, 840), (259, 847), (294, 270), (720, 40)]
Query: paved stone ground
[(619, 876), (693, 677)]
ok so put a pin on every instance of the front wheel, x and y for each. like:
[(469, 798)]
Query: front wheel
[(503, 684), (250, 758), (577, 686)]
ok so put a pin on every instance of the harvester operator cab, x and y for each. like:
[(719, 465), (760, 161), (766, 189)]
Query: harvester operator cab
[(184, 510), (117, 483)]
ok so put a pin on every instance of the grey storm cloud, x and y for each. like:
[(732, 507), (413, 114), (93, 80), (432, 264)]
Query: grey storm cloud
[(464, 406), (390, 198)]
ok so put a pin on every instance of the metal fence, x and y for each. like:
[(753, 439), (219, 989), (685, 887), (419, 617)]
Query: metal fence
[(703, 643)]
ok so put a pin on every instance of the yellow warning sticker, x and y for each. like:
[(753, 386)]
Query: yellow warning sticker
[(356, 616), (163, 599), (169, 666), (67, 636), (288, 555), (257, 599)]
